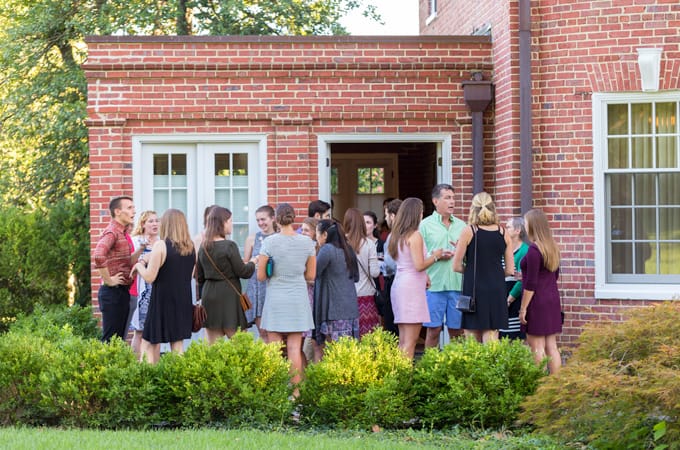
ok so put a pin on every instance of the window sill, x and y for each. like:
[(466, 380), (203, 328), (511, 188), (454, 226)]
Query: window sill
[(638, 292)]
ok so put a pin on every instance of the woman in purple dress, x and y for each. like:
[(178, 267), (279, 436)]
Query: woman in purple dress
[(407, 247), (540, 311)]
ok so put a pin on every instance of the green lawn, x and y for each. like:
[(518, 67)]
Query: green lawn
[(49, 438)]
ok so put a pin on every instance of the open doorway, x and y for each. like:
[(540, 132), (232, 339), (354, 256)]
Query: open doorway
[(364, 174)]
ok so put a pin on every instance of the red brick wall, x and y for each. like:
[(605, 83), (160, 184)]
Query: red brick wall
[(292, 89), (579, 47)]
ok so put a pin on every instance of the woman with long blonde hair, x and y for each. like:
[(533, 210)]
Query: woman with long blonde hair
[(143, 236), (483, 245), (540, 311), (170, 267)]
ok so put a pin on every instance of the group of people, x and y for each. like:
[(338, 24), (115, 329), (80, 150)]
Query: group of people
[(316, 283)]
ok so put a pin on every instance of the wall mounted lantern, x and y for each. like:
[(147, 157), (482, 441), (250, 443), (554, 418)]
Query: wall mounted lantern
[(649, 63)]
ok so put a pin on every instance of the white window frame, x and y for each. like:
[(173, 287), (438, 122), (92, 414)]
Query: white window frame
[(603, 288), (200, 147)]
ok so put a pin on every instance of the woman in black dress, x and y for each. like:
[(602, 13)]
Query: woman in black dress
[(483, 245), (169, 267)]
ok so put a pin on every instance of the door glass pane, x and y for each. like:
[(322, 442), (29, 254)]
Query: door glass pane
[(641, 114), (179, 165), (240, 206), (617, 119), (239, 235), (222, 170), (621, 189), (617, 153), (161, 201), (645, 189), (622, 258), (622, 223), (161, 170), (645, 223), (669, 189), (666, 154), (223, 198), (240, 169), (669, 263), (665, 118), (179, 200), (642, 152)]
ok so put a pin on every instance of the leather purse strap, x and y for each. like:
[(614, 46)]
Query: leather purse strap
[(205, 251)]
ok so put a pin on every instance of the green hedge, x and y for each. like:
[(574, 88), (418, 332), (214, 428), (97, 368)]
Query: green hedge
[(359, 384), (473, 384), (50, 375)]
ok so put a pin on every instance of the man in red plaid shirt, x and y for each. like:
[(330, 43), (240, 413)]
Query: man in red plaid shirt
[(114, 257)]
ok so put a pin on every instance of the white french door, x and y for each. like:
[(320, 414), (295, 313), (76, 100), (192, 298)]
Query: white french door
[(191, 172)]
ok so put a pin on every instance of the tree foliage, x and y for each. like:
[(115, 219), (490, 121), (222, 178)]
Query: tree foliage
[(43, 112)]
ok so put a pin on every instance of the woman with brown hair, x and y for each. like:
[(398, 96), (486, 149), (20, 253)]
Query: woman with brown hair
[(407, 247), (484, 244), (287, 314), (219, 271), (369, 268), (170, 267), (540, 311)]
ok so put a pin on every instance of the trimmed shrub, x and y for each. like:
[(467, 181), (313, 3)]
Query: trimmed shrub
[(621, 388), (474, 384), (236, 382), (359, 384), (98, 385), (25, 360), (48, 321)]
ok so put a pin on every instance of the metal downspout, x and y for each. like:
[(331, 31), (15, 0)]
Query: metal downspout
[(525, 158)]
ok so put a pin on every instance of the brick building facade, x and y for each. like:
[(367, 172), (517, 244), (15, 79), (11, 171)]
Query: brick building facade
[(243, 121)]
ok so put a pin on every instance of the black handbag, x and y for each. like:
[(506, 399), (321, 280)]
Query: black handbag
[(468, 303)]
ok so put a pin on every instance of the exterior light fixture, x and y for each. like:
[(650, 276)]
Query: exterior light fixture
[(649, 63)]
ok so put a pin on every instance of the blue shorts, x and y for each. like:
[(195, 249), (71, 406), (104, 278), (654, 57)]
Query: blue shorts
[(443, 304)]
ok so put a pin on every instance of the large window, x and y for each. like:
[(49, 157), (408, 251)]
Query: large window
[(191, 172), (637, 164)]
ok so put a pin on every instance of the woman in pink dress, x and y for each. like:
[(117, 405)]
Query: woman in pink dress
[(406, 246)]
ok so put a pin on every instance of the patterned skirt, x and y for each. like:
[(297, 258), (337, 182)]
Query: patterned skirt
[(333, 329), (369, 317)]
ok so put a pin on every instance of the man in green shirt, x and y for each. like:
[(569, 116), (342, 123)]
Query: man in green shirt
[(442, 230)]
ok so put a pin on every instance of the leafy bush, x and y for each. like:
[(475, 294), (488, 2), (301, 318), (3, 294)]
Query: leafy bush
[(25, 360), (621, 388), (359, 384), (98, 385), (472, 384), (41, 249), (47, 321), (236, 382)]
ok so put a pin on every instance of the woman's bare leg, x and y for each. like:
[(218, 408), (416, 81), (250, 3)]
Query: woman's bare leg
[(408, 337), (554, 353), (477, 334)]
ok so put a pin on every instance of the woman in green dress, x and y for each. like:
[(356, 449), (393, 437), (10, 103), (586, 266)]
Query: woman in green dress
[(219, 270)]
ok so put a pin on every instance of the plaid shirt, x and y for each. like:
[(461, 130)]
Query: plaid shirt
[(113, 251)]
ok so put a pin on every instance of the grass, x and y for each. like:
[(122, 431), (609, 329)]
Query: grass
[(53, 438)]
